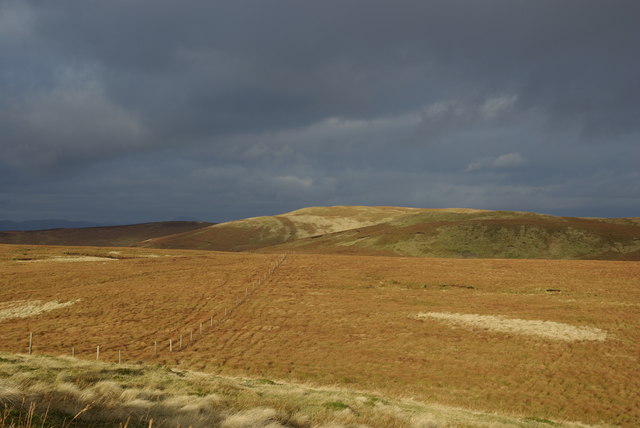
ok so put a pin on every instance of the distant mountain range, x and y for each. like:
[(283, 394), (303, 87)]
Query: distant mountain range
[(398, 231), (45, 224), (104, 236)]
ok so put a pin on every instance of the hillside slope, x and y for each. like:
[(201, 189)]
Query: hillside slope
[(260, 232), (108, 236), (419, 232), (495, 234)]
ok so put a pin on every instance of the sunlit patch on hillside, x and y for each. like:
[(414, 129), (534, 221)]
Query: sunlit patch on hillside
[(545, 329), (30, 308)]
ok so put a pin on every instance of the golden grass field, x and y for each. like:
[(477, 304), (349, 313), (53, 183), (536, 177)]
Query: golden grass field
[(355, 322)]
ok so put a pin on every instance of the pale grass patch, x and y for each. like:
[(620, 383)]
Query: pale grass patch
[(337, 425), (29, 308), (423, 421), (259, 417), (87, 395), (68, 389), (202, 404), (139, 404), (545, 329), (108, 389), (177, 401), (323, 224), (9, 393), (130, 394)]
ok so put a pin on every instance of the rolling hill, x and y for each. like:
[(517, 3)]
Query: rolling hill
[(387, 231), (489, 234), (459, 233), (112, 236)]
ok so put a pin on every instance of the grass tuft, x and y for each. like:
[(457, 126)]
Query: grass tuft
[(95, 394)]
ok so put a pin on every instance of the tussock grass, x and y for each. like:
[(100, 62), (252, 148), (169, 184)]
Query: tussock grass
[(72, 393), (545, 329)]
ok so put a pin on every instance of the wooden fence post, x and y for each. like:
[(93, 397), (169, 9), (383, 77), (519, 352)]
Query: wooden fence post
[(73, 352), (30, 342), (200, 329), (191, 337), (155, 348), (97, 352), (119, 357), (170, 345)]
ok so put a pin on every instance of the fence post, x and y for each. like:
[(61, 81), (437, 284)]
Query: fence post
[(97, 352), (200, 329), (170, 345), (73, 352), (30, 342), (119, 357), (191, 337), (180, 341), (155, 348)]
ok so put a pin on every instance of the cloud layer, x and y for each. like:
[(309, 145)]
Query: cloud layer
[(139, 110)]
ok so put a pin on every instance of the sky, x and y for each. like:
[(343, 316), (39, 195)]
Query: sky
[(128, 111)]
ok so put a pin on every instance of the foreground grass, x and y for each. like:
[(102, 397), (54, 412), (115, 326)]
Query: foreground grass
[(44, 391)]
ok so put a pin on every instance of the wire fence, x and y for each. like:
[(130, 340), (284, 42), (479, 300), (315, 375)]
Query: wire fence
[(190, 334)]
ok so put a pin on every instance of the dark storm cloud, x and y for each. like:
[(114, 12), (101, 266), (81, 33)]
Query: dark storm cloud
[(261, 106)]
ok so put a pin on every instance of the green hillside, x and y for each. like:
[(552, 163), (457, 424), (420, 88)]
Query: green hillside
[(499, 234)]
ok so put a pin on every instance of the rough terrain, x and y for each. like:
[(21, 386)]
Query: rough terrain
[(348, 321)]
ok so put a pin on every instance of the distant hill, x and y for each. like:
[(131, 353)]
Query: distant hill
[(107, 236), (45, 224), (419, 232), (361, 230)]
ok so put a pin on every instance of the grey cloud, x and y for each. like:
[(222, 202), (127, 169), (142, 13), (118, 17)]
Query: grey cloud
[(506, 161), (268, 105), (72, 121)]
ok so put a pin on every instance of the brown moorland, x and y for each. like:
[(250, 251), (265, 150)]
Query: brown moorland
[(364, 323), (113, 236)]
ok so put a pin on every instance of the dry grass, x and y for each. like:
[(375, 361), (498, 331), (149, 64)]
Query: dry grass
[(67, 392), (339, 320), (545, 329)]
